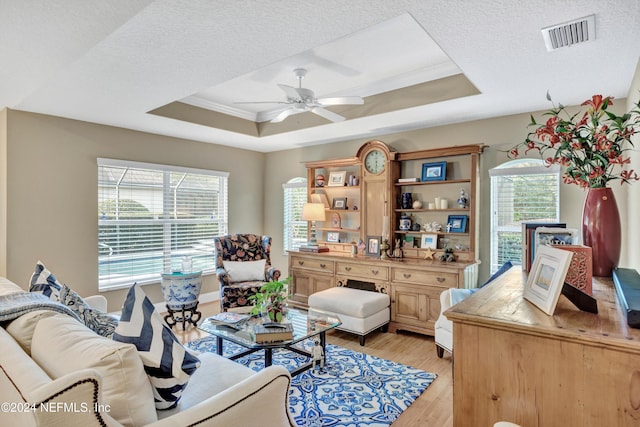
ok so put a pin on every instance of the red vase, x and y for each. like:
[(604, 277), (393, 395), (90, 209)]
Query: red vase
[(601, 230)]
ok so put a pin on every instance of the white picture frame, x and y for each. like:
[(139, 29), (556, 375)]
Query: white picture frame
[(546, 277), (337, 179), (428, 241)]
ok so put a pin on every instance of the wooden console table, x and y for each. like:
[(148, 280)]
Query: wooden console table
[(515, 363)]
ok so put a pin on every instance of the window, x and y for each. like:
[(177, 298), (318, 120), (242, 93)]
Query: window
[(295, 229), (151, 216), (521, 190)]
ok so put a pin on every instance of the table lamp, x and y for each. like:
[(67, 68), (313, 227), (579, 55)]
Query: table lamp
[(313, 212)]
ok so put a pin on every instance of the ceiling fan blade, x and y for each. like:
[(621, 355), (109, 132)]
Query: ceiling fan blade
[(342, 100), (329, 115), (291, 91), (286, 113)]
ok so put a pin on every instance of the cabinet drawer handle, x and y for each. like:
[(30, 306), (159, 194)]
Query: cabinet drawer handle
[(323, 265), (301, 262), (375, 272), (406, 275), (348, 268), (440, 279)]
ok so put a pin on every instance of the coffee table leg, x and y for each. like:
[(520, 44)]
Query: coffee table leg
[(219, 346), (323, 343), (268, 357)]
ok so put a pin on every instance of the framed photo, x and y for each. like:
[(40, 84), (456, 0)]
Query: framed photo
[(320, 198), (457, 224), (429, 241), (546, 277), (373, 245), (333, 236), (336, 221), (434, 171), (337, 179), (339, 203)]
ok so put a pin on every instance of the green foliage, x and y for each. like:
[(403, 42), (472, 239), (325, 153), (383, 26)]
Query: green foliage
[(272, 299)]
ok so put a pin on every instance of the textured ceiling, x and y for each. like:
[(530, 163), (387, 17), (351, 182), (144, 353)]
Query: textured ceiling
[(114, 61)]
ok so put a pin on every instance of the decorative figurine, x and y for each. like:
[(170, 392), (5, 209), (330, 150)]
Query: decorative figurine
[(448, 255), (320, 180), (417, 204), (463, 200), (449, 228), (397, 252), (317, 354)]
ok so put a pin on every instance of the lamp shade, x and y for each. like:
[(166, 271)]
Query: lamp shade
[(313, 212)]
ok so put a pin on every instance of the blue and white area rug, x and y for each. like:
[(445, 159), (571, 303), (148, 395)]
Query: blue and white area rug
[(354, 389)]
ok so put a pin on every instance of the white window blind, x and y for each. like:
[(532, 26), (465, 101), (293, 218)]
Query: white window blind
[(521, 190), (295, 229), (151, 216)]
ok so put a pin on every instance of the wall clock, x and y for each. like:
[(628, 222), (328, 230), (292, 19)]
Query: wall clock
[(374, 161)]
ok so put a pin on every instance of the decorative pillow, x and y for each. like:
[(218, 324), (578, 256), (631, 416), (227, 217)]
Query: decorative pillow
[(165, 360), (44, 282), (100, 323), (62, 345), (245, 271)]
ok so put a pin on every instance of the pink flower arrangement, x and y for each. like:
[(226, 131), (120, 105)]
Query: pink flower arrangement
[(592, 145)]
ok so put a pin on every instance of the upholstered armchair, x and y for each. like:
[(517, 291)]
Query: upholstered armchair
[(243, 265)]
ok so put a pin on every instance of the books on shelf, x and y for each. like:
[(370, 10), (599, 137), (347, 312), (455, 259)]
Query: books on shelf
[(228, 318), (313, 248), (268, 332), (408, 180)]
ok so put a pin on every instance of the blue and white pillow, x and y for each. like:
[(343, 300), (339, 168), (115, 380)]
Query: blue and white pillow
[(44, 282), (100, 323), (167, 363)]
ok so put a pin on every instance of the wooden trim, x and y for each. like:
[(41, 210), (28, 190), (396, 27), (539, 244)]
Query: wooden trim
[(458, 150)]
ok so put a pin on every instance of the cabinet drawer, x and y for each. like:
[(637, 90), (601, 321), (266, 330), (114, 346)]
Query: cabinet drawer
[(449, 280), (316, 264), (362, 270)]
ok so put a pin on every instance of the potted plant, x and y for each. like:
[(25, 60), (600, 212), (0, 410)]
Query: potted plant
[(271, 299), (593, 148)]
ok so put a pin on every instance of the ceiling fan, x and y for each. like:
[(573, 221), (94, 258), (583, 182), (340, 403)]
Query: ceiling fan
[(300, 100)]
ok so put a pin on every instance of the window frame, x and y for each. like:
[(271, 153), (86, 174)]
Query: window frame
[(170, 238), (529, 167), (294, 184)]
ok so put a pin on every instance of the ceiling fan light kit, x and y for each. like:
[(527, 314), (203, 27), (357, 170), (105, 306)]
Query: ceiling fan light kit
[(300, 100)]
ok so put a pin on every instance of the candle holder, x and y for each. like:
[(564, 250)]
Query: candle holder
[(384, 247)]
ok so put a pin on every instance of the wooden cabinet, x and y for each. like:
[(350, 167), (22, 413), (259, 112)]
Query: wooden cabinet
[(414, 286), (413, 282), (515, 363), (309, 274)]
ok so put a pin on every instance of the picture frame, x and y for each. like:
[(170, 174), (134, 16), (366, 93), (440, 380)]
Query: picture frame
[(436, 171), (546, 278), (339, 203), (373, 245), (457, 223), (337, 179), (429, 241), (321, 198), (336, 221), (333, 237)]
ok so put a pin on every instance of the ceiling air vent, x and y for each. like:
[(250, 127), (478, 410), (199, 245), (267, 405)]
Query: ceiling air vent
[(569, 33)]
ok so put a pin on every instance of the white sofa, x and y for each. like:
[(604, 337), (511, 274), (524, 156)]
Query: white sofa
[(54, 371)]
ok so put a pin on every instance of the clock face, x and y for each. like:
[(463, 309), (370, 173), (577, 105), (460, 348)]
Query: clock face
[(374, 161)]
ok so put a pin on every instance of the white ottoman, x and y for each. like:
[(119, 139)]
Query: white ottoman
[(360, 311)]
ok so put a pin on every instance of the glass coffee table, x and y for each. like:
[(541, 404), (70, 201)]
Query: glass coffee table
[(306, 324)]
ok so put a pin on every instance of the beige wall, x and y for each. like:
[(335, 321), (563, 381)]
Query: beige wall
[(3, 192), (499, 134), (52, 192), (632, 259)]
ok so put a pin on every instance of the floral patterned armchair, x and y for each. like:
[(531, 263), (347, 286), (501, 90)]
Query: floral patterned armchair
[(233, 250)]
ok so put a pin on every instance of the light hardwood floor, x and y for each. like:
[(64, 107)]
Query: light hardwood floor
[(434, 407)]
